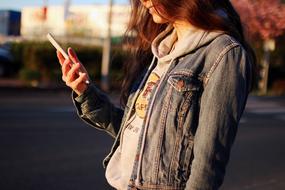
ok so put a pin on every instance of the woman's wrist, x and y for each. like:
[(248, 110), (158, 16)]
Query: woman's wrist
[(80, 92)]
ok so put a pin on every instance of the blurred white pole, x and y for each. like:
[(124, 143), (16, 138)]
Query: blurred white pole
[(66, 5), (106, 52)]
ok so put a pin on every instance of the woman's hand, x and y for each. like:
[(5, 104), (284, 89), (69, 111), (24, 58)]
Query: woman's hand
[(74, 75)]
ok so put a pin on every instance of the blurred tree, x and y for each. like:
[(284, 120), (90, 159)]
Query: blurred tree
[(265, 21)]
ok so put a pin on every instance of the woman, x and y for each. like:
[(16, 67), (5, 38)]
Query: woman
[(181, 112)]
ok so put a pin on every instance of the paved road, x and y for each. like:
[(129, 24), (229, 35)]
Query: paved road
[(44, 146), (258, 155)]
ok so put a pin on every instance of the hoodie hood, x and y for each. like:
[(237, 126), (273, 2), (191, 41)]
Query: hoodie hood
[(167, 47)]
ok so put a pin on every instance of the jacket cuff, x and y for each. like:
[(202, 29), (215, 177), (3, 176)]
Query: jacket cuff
[(83, 97), (86, 101)]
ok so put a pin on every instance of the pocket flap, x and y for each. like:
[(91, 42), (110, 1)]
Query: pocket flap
[(184, 83)]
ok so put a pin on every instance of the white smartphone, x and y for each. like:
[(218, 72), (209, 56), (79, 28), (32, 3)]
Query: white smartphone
[(59, 48)]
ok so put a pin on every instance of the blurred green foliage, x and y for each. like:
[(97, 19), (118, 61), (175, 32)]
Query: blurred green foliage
[(33, 57)]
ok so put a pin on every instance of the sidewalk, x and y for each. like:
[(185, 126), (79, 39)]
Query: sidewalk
[(13, 83)]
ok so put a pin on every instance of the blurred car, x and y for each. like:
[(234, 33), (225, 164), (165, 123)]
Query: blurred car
[(6, 60)]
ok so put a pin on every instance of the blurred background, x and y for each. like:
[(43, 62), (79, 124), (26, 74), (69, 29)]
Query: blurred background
[(44, 145)]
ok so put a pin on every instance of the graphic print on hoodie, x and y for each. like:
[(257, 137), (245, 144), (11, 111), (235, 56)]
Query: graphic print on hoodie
[(144, 97)]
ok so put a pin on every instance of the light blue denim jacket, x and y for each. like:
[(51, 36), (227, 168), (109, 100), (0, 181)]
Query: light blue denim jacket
[(191, 121)]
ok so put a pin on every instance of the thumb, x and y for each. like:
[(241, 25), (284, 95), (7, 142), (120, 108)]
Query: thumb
[(72, 55)]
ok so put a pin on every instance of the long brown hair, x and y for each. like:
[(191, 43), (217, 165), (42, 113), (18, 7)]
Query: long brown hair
[(200, 13)]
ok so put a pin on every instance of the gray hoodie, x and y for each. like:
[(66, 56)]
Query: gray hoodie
[(162, 46)]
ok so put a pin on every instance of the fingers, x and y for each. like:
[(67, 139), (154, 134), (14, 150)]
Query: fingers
[(80, 80), (60, 57), (79, 85), (71, 74), (65, 67), (72, 55)]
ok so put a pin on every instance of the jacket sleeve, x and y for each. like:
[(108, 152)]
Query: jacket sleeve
[(221, 106), (95, 108)]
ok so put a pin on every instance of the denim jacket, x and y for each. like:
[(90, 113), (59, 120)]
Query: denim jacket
[(191, 121)]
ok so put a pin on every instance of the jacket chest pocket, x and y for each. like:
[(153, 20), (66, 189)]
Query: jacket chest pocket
[(184, 92)]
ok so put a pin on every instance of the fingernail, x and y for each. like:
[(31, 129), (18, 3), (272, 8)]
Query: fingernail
[(71, 51)]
